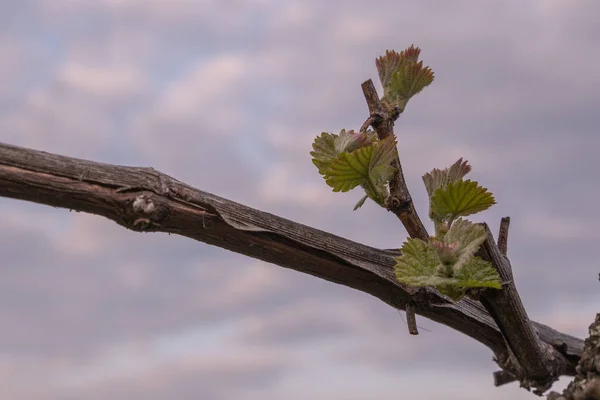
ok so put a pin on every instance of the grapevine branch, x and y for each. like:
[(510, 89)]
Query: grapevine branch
[(145, 200)]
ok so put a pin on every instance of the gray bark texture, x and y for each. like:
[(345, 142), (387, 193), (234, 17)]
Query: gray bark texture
[(145, 200)]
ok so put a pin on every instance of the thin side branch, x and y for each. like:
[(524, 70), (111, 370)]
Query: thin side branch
[(145, 200), (503, 235), (411, 319), (399, 201)]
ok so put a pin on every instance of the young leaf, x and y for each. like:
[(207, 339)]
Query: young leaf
[(385, 150), (349, 170), (348, 141), (387, 65), (447, 251), (382, 173), (410, 79), (360, 203), (328, 146), (402, 76), (469, 237), (367, 166), (437, 178), (478, 273), (417, 264), (461, 198), (324, 151)]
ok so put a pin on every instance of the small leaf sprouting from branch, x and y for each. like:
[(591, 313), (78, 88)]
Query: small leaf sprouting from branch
[(449, 263), (437, 178), (360, 203), (468, 237), (353, 158), (368, 166), (349, 140), (324, 151), (460, 198), (402, 76), (328, 146)]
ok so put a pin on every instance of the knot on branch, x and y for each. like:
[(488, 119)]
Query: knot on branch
[(143, 204), (144, 212), (395, 204)]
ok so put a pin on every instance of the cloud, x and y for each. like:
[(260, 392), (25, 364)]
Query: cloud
[(102, 81), (228, 97)]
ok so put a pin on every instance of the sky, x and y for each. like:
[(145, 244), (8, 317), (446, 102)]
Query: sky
[(228, 96)]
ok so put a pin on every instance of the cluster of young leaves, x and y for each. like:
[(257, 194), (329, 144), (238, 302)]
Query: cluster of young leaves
[(402, 76), (353, 159), (447, 261), (349, 159)]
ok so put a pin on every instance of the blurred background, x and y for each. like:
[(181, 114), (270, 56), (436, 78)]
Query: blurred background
[(228, 97)]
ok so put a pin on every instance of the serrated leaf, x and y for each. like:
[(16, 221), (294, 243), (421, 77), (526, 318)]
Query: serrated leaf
[(385, 151), (349, 170), (367, 166), (360, 203), (469, 237), (417, 264), (324, 151), (402, 76), (461, 198), (328, 146), (348, 141), (437, 178), (451, 290), (410, 79), (382, 173), (478, 273), (376, 191), (387, 65)]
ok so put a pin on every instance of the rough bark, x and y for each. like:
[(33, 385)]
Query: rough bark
[(143, 199)]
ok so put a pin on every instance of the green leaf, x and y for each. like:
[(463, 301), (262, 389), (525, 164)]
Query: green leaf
[(410, 79), (402, 76), (361, 202), (460, 198), (329, 146), (417, 264), (324, 151), (468, 236), (353, 158), (438, 178), (451, 290), (391, 62), (478, 273), (348, 141), (349, 170), (385, 151), (367, 166), (382, 173), (387, 65), (447, 251)]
